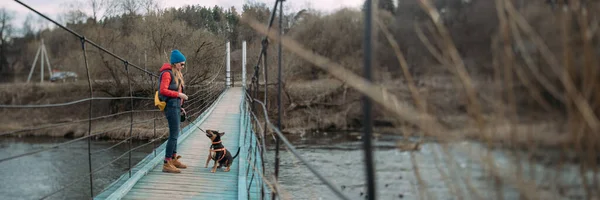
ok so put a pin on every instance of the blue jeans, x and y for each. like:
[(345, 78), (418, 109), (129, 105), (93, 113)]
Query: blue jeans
[(172, 112)]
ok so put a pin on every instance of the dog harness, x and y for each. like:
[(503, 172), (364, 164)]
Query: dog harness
[(219, 149)]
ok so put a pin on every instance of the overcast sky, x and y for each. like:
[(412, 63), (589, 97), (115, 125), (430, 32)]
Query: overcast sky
[(53, 8)]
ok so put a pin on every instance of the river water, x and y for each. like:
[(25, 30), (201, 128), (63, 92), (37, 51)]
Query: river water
[(340, 160), (337, 156), (41, 174)]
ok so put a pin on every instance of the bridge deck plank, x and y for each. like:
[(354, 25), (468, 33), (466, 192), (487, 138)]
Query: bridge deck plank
[(197, 182)]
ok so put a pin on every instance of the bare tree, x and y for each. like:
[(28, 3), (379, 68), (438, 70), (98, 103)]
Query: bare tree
[(130, 6), (6, 31), (28, 29), (72, 14), (97, 6), (149, 6)]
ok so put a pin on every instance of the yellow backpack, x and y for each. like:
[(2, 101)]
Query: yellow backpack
[(157, 102), (160, 104)]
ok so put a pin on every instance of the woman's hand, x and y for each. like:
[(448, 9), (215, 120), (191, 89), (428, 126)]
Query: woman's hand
[(182, 96)]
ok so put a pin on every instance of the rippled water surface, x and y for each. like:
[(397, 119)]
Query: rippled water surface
[(41, 174), (337, 156), (342, 163)]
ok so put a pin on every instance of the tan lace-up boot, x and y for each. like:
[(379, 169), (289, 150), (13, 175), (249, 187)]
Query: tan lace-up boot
[(178, 164), (169, 168)]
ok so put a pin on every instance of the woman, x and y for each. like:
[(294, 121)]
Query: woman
[(171, 87)]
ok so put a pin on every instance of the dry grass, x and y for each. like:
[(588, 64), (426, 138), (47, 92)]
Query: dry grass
[(541, 91), (495, 116), (117, 127)]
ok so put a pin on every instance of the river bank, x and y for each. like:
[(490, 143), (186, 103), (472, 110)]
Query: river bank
[(317, 106)]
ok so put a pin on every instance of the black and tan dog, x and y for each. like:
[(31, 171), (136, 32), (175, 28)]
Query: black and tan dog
[(218, 152)]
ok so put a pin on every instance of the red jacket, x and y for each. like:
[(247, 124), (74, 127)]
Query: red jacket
[(165, 81)]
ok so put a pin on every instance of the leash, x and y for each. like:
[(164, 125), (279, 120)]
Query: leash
[(236, 154), (198, 127)]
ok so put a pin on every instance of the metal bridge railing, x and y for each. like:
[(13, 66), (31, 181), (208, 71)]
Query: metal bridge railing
[(253, 169), (279, 137), (198, 102), (200, 98)]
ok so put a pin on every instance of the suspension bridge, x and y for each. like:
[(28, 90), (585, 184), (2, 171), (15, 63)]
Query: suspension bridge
[(223, 102), (216, 103)]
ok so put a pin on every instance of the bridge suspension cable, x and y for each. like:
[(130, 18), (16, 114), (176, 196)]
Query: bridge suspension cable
[(278, 137), (141, 112)]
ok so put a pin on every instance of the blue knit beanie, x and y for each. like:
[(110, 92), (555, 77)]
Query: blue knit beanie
[(177, 57)]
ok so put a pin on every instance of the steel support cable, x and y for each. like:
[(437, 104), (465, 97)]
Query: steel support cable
[(211, 81), (205, 82), (262, 144), (195, 114), (85, 175), (262, 130), (266, 99), (258, 123), (203, 96), (126, 63), (246, 138), (211, 95), (264, 40), (198, 94), (113, 146), (68, 142), (257, 147), (252, 149), (154, 126), (202, 109), (251, 152), (203, 89), (199, 108), (263, 178), (262, 175), (125, 153), (203, 104), (280, 57), (66, 186), (72, 102), (216, 74), (54, 125), (202, 92), (262, 137), (150, 142), (199, 112), (89, 139), (79, 180), (84, 39), (194, 105), (295, 152), (263, 50), (251, 116)]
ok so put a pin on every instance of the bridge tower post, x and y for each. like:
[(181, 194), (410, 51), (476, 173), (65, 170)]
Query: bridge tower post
[(228, 63)]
